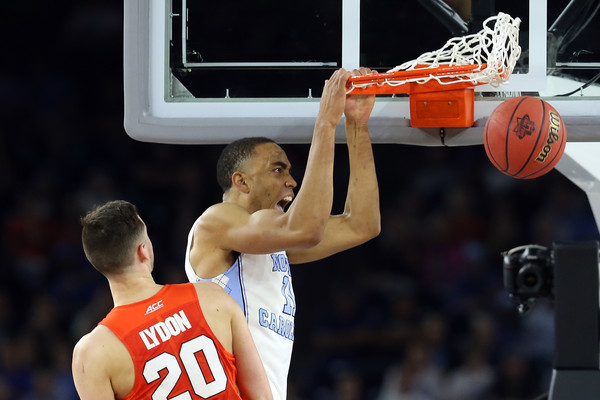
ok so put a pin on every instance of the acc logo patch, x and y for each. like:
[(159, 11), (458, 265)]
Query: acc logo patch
[(154, 307)]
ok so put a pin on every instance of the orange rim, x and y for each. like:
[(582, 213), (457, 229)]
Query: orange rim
[(419, 71)]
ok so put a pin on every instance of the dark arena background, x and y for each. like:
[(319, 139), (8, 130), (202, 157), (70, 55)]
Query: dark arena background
[(421, 305)]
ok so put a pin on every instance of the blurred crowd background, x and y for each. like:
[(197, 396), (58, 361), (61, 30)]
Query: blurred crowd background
[(420, 313)]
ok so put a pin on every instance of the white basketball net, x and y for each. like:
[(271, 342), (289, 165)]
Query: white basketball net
[(495, 49)]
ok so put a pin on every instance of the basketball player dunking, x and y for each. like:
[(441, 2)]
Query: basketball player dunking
[(247, 243)]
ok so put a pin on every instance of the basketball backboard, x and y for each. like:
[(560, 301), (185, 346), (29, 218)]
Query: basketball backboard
[(210, 74)]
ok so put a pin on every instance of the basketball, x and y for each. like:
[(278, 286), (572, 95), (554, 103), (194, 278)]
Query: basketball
[(524, 137)]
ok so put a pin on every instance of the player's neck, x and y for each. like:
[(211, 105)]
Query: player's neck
[(242, 200), (131, 289)]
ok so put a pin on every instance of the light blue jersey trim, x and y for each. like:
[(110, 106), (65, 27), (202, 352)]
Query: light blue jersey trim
[(232, 281)]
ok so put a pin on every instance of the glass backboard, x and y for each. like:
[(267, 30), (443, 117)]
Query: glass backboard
[(211, 73)]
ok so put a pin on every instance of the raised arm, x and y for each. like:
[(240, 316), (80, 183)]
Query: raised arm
[(315, 197), (230, 227), (361, 220)]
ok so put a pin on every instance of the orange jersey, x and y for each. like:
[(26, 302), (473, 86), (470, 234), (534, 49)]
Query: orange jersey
[(174, 351)]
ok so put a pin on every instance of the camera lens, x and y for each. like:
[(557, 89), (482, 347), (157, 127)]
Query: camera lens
[(529, 279)]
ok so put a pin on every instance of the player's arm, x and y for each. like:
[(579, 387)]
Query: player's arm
[(226, 320), (252, 378), (90, 368), (361, 220), (229, 227)]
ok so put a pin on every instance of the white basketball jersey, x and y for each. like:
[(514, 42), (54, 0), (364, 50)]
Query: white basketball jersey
[(262, 286)]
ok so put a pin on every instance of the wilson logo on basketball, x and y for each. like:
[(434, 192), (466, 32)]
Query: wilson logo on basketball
[(525, 126), (553, 137)]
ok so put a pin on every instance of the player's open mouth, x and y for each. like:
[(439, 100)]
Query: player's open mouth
[(282, 204)]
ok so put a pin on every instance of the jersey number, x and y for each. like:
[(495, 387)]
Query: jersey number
[(187, 355)]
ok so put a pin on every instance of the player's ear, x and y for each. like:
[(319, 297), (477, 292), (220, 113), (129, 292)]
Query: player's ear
[(238, 179), (143, 252)]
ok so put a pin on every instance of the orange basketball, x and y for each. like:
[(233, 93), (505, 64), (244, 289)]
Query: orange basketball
[(524, 137)]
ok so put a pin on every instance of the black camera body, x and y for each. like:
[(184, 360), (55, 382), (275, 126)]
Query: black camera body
[(569, 275), (529, 275)]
